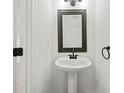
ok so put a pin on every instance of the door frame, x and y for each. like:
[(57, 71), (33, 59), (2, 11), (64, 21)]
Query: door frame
[(22, 33)]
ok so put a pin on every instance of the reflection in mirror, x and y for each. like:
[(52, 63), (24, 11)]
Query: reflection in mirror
[(72, 31)]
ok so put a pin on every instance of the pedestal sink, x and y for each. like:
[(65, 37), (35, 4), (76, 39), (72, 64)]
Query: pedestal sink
[(72, 66)]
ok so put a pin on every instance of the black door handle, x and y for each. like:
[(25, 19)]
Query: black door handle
[(17, 52)]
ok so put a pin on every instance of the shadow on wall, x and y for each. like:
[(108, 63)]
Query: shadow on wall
[(46, 87), (59, 83), (87, 82)]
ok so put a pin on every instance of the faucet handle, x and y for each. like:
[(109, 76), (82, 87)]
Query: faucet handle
[(76, 56), (70, 56), (73, 56)]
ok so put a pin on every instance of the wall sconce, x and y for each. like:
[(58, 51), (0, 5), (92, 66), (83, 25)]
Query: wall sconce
[(72, 2)]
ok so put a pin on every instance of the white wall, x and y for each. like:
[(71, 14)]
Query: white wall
[(41, 46), (86, 79), (102, 39), (45, 76)]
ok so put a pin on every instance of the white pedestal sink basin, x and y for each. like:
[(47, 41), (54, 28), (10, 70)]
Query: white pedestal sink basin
[(72, 66)]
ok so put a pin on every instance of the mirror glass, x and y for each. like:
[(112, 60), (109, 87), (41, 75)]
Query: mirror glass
[(72, 31)]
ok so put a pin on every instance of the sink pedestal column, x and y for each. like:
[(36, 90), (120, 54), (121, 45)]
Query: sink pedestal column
[(72, 82)]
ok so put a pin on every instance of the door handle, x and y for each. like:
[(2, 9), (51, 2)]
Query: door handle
[(17, 52)]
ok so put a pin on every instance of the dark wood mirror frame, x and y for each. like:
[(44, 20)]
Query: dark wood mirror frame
[(81, 12)]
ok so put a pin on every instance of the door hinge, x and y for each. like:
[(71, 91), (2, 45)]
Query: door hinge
[(17, 52)]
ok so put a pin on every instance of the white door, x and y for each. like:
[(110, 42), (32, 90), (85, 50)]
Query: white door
[(20, 41), (32, 33)]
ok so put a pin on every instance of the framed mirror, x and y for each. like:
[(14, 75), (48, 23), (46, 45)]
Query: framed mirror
[(72, 31)]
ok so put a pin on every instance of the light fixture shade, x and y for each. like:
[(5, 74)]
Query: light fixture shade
[(75, 0)]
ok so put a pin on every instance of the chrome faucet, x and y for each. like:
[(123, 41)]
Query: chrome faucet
[(73, 56)]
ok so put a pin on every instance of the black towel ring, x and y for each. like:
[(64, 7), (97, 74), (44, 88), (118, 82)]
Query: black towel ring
[(108, 51)]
